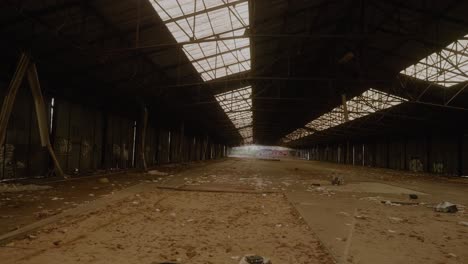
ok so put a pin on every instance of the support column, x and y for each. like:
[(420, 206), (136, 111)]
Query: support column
[(144, 122)]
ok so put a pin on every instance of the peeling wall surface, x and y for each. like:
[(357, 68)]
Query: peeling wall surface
[(443, 154)]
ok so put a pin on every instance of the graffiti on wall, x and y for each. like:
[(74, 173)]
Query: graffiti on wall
[(256, 151)]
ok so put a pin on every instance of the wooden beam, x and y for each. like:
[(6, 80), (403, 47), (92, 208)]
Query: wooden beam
[(9, 99), (41, 115)]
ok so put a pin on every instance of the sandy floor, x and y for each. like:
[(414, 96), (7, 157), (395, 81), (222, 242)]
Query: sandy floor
[(187, 227), (18, 209), (350, 221)]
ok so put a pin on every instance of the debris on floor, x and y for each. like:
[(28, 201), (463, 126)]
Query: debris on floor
[(156, 172), (254, 259), (446, 207), (337, 180), (397, 203)]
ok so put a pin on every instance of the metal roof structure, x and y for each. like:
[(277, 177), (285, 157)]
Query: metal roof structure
[(446, 67), (210, 20), (186, 60), (367, 103), (237, 105)]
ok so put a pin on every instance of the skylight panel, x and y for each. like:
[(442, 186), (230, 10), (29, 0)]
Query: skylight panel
[(297, 134), (369, 102), (192, 20), (237, 105), (446, 67)]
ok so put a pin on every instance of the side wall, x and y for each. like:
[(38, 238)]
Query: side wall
[(89, 140), (438, 153)]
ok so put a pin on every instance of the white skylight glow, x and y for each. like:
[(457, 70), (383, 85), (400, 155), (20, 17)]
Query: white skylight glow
[(365, 104), (446, 67), (297, 134), (237, 105), (195, 20)]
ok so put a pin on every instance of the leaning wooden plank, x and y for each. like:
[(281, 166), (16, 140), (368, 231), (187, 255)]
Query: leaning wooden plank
[(41, 115), (9, 100)]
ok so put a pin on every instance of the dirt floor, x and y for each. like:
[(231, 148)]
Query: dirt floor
[(185, 227), (20, 208), (286, 210)]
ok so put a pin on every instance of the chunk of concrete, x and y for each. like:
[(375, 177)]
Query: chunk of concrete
[(446, 207)]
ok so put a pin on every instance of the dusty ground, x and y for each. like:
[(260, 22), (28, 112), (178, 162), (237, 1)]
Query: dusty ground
[(18, 209), (350, 220), (187, 227)]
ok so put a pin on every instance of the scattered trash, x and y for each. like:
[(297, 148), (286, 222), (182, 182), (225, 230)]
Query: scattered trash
[(451, 255), (413, 196), (397, 203), (463, 223), (446, 207), (254, 259), (390, 203), (344, 213), (395, 219), (337, 180), (91, 195), (43, 214), (363, 217), (391, 231), (159, 173), (103, 180)]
